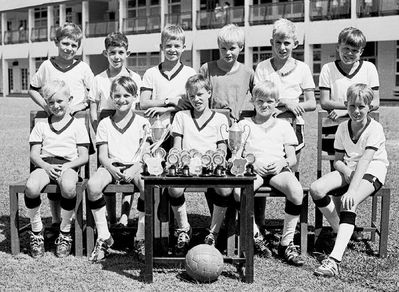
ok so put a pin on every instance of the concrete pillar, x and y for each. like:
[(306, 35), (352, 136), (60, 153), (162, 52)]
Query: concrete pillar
[(4, 63), (163, 11), (353, 9), (31, 23), (196, 54), (85, 16), (62, 14), (50, 20), (31, 66), (3, 26), (122, 14)]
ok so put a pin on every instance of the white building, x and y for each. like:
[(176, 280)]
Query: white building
[(27, 29)]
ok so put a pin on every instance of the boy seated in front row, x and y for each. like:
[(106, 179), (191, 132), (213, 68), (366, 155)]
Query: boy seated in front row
[(116, 52), (198, 129), (119, 137), (59, 146), (360, 169), (273, 142)]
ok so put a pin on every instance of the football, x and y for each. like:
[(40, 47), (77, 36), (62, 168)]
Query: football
[(204, 263)]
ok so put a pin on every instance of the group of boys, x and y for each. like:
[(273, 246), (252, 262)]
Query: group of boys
[(171, 87)]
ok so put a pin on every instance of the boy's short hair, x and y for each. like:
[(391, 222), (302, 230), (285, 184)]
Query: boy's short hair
[(284, 28), (265, 89), (231, 33), (353, 37), (172, 32), (70, 30), (116, 39), (54, 86), (196, 82), (362, 91), (126, 82)]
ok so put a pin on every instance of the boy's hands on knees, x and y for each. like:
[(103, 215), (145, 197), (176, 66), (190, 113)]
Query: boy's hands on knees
[(53, 170), (131, 172), (152, 112), (115, 172), (348, 201), (65, 166), (260, 168), (276, 167), (348, 175)]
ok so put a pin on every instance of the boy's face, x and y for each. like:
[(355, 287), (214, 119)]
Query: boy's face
[(264, 105), (122, 99), (349, 54), (229, 51), (283, 46), (199, 98), (172, 49), (58, 104), (116, 56), (357, 109), (67, 48)]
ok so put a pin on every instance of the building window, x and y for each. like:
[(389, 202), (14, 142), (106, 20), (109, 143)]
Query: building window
[(40, 17), (174, 6), (24, 78), (397, 65), (370, 53), (10, 79), (39, 61), (140, 62), (316, 63), (68, 14)]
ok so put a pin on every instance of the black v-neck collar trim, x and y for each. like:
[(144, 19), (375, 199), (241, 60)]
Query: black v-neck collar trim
[(350, 76), (204, 125), (173, 75), (351, 133), (122, 131), (63, 128), (56, 66)]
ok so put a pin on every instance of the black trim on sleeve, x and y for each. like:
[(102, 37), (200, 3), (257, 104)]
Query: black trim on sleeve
[(371, 147), (34, 87), (145, 88), (35, 142), (325, 88), (83, 144), (375, 88), (339, 150), (174, 134), (101, 143)]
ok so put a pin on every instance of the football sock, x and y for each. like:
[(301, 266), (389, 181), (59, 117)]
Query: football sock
[(344, 235), (217, 218), (331, 215), (101, 222), (140, 226), (181, 216), (66, 218), (290, 222), (35, 219), (127, 200)]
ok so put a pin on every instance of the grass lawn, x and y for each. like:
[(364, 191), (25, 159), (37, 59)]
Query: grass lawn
[(359, 270)]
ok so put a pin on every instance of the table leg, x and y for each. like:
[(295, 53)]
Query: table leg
[(247, 208), (149, 232)]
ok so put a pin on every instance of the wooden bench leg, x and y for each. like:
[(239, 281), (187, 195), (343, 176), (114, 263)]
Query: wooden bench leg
[(374, 202), (89, 229), (110, 199), (384, 229), (303, 219), (14, 221), (79, 222)]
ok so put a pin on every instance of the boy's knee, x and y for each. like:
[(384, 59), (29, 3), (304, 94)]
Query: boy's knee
[(316, 191), (68, 190), (32, 189), (93, 189), (175, 192), (296, 195), (224, 192)]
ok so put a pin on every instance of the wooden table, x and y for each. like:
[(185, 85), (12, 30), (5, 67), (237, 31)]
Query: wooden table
[(246, 247)]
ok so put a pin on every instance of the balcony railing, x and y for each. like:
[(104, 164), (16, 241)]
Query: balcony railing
[(212, 19), (268, 13), (329, 9), (94, 29), (16, 36), (144, 24), (38, 34), (184, 19), (370, 8)]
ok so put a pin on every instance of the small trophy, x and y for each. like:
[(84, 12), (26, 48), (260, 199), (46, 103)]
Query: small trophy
[(250, 165), (219, 162), (235, 142), (172, 163), (206, 161)]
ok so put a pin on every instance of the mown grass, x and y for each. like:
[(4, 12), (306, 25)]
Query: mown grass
[(360, 271)]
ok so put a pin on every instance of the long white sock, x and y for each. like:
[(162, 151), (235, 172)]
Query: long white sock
[(290, 222), (181, 216), (140, 226), (101, 222), (35, 219), (331, 215), (66, 218), (344, 235), (217, 218), (55, 210)]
